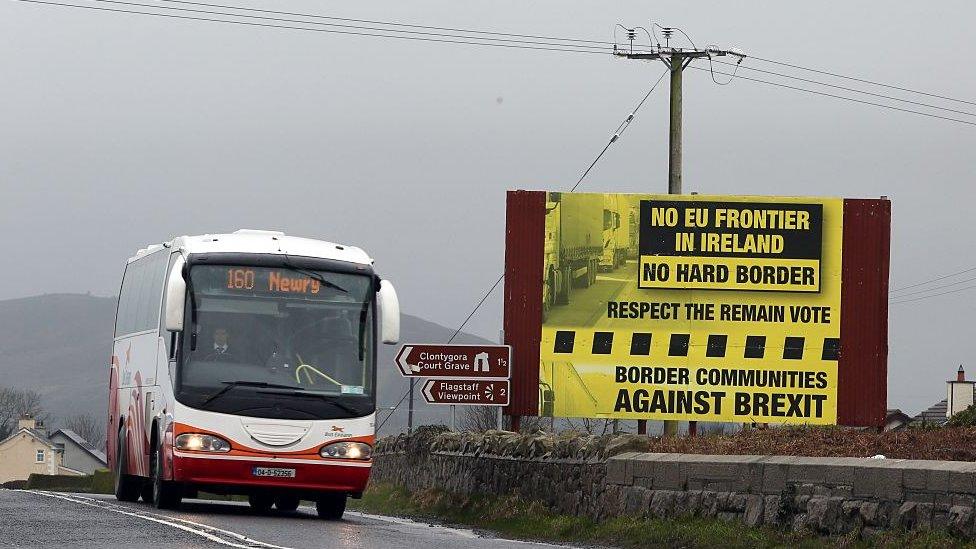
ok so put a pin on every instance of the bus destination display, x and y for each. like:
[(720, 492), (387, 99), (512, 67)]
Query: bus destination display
[(258, 280)]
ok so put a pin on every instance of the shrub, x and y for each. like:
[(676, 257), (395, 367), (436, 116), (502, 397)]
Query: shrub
[(60, 483), (965, 418), (102, 482)]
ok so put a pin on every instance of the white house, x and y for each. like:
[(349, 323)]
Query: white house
[(28, 450)]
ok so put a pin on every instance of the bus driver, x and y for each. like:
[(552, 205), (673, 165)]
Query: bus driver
[(221, 347)]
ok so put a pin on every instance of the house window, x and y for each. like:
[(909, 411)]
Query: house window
[(40, 456)]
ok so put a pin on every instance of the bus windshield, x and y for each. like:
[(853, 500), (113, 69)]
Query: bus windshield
[(282, 342)]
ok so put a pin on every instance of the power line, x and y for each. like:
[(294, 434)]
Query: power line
[(932, 289), (619, 131), (389, 23), (711, 70), (933, 295), (881, 95), (494, 42), (943, 277), (476, 307), (289, 27), (852, 99), (393, 410), (456, 332), (616, 136), (863, 80), (601, 49)]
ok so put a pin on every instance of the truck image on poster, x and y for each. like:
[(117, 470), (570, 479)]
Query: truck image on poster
[(617, 231), (573, 245), (707, 308)]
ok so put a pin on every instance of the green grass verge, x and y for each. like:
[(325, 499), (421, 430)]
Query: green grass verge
[(516, 518)]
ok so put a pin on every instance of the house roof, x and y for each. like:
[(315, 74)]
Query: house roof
[(82, 443), (62, 469), (37, 435), (896, 414), (934, 414)]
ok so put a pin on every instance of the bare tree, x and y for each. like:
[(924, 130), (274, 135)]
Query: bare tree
[(88, 427), (15, 403), (527, 424), (478, 418), (588, 425), (485, 418)]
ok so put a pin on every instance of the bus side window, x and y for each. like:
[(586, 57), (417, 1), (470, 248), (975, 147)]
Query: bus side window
[(154, 281), (122, 312), (145, 289), (129, 300), (140, 297)]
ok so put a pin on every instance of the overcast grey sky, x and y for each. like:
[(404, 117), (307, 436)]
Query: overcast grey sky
[(120, 130)]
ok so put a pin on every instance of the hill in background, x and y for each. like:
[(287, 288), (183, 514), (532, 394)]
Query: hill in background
[(60, 344)]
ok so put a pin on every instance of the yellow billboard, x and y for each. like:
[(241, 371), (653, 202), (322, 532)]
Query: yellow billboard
[(691, 307)]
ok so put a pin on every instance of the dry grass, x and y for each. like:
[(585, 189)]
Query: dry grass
[(951, 443)]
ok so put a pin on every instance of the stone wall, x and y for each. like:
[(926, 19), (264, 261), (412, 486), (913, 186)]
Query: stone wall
[(598, 477)]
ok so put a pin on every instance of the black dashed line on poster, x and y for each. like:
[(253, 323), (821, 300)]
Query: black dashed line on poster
[(679, 344)]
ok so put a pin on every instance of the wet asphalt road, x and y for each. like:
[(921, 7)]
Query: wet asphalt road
[(42, 519)]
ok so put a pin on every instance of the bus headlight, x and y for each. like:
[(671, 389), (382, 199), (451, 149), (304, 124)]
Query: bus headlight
[(201, 443), (347, 450)]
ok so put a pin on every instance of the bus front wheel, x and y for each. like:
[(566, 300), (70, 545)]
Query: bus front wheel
[(331, 506), (165, 494)]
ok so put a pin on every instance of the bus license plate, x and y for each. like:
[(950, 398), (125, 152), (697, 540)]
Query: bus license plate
[(273, 472)]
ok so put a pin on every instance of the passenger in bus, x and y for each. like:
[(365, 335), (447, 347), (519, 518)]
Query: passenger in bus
[(221, 347)]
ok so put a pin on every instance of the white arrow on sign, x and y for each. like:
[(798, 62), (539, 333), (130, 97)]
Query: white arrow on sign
[(401, 361), (478, 392)]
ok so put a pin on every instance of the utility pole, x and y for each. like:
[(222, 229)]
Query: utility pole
[(676, 59), (674, 136)]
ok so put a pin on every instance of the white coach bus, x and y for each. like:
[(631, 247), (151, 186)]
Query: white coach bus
[(245, 363)]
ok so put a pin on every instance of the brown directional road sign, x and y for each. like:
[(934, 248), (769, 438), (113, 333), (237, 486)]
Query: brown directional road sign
[(453, 361), (466, 392)]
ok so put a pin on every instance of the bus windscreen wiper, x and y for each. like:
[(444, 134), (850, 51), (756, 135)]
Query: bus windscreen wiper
[(231, 384), (304, 393), (314, 276)]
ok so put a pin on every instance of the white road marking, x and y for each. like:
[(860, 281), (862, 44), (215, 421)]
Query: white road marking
[(202, 530), (407, 522), (238, 540)]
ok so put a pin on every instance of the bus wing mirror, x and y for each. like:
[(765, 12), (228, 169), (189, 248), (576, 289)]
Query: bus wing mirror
[(175, 297), (389, 312)]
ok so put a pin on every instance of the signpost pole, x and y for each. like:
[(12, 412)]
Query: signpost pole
[(453, 417), (410, 408), (501, 411)]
